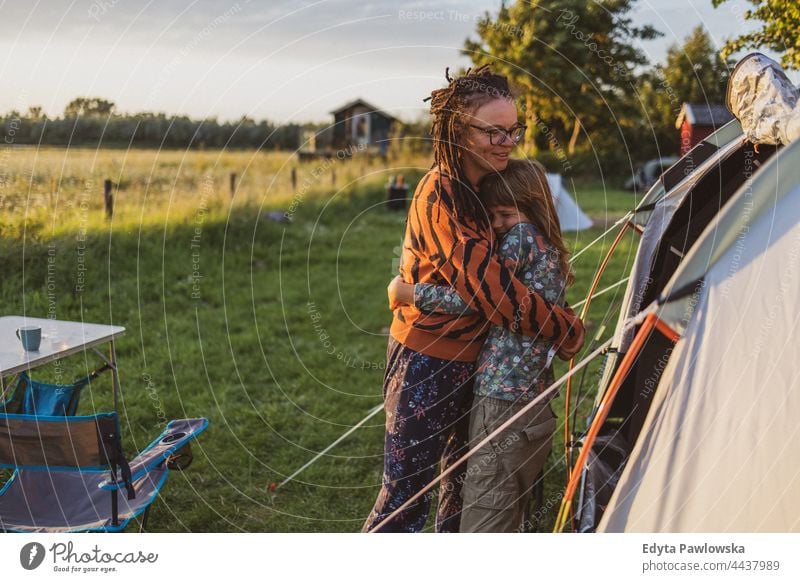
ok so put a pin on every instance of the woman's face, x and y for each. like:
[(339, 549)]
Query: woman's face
[(480, 156)]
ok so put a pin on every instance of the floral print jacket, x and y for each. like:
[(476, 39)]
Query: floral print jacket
[(511, 366)]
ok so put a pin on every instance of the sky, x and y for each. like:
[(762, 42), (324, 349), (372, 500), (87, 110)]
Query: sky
[(282, 60)]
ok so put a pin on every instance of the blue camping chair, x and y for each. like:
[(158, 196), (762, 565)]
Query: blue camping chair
[(69, 471), (30, 396)]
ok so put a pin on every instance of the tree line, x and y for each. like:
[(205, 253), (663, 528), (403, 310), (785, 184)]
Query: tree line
[(95, 122), (588, 93)]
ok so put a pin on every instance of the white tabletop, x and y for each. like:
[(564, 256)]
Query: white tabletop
[(59, 339)]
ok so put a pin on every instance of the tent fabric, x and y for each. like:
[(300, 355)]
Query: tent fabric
[(654, 214), (658, 220), (763, 98), (570, 215), (732, 228), (687, 168), (712, 454), (714, 449), (603, 468)]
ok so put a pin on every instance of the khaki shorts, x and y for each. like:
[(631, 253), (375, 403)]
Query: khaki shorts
[(500, 477)]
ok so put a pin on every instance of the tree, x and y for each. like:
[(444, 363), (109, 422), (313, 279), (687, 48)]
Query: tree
[(693, 73), (573, 61), (89, 106), (412, 137), (35, 112), (780, 31)]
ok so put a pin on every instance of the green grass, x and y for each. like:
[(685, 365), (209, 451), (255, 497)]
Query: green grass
[(275, 333)]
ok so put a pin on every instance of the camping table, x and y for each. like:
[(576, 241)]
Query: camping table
[(59, 340)]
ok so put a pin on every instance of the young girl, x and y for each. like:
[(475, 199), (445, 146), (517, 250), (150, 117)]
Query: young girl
[(512, 368)]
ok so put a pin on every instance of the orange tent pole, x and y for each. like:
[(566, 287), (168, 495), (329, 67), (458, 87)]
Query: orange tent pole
[(584, 313), (650, 322)]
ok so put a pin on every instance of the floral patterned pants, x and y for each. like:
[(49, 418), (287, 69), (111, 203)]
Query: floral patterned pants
[(427, 403)]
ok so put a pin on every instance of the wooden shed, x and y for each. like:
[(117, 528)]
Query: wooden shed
[(697, 121), (359, 124)]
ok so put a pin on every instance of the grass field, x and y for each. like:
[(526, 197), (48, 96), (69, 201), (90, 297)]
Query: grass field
[(274, 332)]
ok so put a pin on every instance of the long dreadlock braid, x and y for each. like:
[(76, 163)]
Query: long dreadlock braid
[(451, 108)]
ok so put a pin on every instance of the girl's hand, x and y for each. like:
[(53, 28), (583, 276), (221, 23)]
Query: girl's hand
[(400, 293)]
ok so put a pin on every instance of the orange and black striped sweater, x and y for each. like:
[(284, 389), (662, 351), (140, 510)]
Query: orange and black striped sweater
[(439, 249)]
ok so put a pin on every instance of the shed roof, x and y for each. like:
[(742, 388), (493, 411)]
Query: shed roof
[(708, 114), (355, 102)]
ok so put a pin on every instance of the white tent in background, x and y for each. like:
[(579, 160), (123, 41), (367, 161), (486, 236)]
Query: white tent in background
[(570, 215)]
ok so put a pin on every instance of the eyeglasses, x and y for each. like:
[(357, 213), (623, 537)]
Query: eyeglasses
[(498, 136)]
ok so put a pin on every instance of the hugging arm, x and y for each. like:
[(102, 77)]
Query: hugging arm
[(444, 299), (439, 299), (466, 261)]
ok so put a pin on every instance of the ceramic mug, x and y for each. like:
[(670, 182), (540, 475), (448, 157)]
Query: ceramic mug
[(30, 336)]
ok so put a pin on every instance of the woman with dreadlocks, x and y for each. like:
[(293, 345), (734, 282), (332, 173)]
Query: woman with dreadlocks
[(431, 356)]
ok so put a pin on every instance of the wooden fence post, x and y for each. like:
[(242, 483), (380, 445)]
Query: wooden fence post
[(233, 184), (109, 199), (294, 179), (52, 196)]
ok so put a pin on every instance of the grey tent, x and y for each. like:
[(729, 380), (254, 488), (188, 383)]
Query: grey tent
[(699, 409), (716, 450)]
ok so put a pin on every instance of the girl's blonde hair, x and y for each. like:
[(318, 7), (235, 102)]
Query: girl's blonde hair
[(523, 185)]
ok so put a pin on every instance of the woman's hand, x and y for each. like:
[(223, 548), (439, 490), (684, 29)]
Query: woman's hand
[(400, 293), (571, 346)]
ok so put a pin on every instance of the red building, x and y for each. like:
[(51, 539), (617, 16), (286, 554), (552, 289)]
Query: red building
[(697, 121)]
